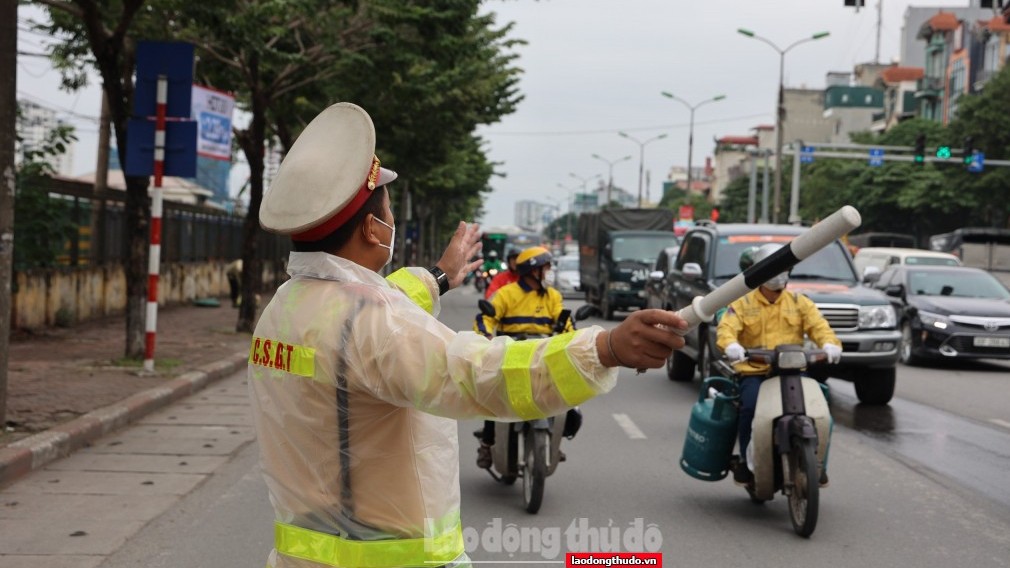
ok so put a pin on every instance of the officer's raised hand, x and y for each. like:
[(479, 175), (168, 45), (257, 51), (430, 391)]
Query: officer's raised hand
[(644, 340), (464, 245)]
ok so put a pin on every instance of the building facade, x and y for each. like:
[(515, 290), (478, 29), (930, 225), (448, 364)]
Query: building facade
[(34, 126)]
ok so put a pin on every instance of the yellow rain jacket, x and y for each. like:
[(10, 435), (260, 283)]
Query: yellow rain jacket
[(521, 309), (355, 387), (754, 322)]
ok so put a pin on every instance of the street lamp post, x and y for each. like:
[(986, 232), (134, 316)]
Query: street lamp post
[(568, 221), (641, 158), (690, 133), (584, 180), (610, 176), (780, 110)]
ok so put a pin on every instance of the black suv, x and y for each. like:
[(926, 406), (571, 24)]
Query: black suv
[(862, 317)]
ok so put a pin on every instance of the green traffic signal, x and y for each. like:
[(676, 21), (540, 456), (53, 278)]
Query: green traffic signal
[(943, 152)]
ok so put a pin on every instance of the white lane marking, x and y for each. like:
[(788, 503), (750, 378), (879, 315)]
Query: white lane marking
[(624, 421), (999, 422)]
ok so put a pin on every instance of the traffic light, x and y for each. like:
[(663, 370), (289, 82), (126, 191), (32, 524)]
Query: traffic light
[(969, 150), (919, 157), (943, 152)]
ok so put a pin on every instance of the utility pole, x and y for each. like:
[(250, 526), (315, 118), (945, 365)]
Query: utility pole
[(8, 116)]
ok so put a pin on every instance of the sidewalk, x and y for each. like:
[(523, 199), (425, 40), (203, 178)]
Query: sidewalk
[(67, 387)]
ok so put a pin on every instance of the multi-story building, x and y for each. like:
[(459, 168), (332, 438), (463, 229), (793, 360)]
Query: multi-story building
[(530, 215), (960, 57), (731, 159), (34, 126), (899, 85), (851, 108)]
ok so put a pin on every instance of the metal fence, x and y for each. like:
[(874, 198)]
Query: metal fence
[(190, 233)]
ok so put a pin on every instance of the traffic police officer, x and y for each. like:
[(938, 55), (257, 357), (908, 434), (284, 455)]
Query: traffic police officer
[(354, 382)]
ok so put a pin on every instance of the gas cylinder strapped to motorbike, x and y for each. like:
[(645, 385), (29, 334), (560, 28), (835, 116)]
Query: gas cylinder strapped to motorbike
[(532, 449)]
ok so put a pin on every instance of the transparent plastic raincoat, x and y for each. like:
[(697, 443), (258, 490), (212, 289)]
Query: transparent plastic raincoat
[(355, 388)]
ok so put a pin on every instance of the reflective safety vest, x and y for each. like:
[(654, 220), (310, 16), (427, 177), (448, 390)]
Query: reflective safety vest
[(335, 551), (355, 390)]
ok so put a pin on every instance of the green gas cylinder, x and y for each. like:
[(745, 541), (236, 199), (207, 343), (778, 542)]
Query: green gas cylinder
[(711, 432)]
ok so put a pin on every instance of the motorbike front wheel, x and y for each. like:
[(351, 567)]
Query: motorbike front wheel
[(805, 495), (534, 468)]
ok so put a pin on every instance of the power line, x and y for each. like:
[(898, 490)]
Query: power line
[(633, 129), (57, 107)]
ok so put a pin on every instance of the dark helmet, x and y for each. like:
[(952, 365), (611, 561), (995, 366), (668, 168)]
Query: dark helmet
[(511, 254), (533, 257), (747, 257)]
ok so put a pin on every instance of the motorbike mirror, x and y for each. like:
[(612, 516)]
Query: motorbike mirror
[(486, 308), (894, 290), (586, 311)]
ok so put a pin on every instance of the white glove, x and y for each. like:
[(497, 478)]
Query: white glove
[(735, 352), (833, 352)]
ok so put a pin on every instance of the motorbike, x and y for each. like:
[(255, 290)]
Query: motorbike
[(790, 434), (531, 449), (483, 276)]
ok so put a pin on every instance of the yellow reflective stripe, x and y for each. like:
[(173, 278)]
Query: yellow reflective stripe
[(567, 379), (287, 357), (333, 550), (518, 381), (413, 287)]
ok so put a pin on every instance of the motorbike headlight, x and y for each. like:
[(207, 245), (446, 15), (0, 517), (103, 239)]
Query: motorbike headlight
[(877, 317), (619, 286), (492, 272), (929, 319)]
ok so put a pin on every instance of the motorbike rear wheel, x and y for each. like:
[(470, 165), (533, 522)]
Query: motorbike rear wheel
[(534, 468), (805, 495)]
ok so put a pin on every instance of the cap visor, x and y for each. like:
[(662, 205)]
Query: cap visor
[(385, 176)]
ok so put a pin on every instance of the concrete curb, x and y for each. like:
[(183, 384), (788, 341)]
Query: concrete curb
[(31, 453)]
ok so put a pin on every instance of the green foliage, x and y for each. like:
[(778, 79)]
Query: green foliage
[(674, 197), (42, 224), (558, 228)]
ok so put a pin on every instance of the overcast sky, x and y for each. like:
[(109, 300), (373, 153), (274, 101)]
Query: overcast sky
[(593, 68)]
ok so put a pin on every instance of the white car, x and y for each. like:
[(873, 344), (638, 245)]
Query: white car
[(871, 261), (566, 275)]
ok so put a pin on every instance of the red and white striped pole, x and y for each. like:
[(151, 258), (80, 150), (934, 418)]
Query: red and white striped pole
[(154, 261)]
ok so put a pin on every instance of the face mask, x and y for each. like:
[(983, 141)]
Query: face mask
[(778, 283), (392, 240)]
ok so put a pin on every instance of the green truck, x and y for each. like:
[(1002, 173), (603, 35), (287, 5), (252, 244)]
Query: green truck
[(617, 250)]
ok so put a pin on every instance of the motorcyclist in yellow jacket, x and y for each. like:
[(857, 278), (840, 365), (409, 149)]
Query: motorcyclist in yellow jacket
[(764, 319), (527, 306)]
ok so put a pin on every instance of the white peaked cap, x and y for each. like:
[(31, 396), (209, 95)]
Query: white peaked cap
[(326, 176)]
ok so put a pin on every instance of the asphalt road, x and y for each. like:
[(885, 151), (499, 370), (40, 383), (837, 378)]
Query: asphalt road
[(916, 484)]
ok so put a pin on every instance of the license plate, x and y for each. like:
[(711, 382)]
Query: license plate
[(981, 341)]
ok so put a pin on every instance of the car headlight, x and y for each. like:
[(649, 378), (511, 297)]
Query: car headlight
[(619, 286), (876, 317), (929, 319)]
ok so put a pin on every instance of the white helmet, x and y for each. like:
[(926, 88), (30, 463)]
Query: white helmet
[(779, 281)]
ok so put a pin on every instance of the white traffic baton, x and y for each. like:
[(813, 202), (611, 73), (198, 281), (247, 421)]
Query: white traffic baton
[(703, 308)]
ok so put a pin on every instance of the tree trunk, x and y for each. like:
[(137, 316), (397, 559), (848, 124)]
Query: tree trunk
[(119, 90), (8, 112), (251, 140)]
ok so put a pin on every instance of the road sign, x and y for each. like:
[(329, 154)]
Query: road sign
[(807, 154), (876, 156), (977, 162), (174, 60), (180, 148)]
